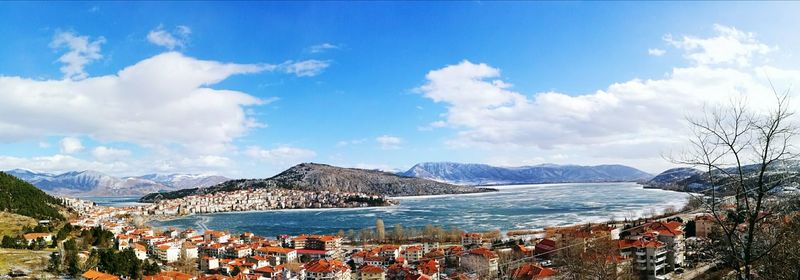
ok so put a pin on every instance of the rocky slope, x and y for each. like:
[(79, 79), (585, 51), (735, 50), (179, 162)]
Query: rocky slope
[(93, 183), (482, 174), (321, 177)]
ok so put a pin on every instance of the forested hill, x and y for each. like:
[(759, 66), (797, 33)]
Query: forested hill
[(320, 177), (20, 197)]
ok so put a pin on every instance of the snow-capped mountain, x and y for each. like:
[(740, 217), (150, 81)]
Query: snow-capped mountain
[(483, 174), (94, 183)]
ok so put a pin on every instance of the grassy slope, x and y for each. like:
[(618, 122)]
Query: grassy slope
[(34, 261), (11, 224)]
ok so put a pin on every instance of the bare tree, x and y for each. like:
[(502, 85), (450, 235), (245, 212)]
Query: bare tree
[(398, 233), (596, 259), (380, 230), (744, 155)]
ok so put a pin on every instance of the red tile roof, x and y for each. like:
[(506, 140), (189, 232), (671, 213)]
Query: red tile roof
[(530, 271), (370, 269), (326, 266), (489, 254)]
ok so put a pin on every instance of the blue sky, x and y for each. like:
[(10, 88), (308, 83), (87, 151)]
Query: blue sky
[(372, 85)]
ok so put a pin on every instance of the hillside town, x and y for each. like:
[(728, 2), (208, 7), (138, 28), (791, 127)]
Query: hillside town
[(647, 249), (262, 199)]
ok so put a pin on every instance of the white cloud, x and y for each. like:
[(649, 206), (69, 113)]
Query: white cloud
[(103, 153), (305, 68), (322, 47), (70, 145), (729, 46), (80, 52), (59, 163), (344, 143), (281, 155), (626, 122), (656, 52), (389, 142), (170, 40), (160, 101)]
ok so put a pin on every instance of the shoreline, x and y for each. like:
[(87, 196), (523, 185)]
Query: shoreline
[(590, 218)]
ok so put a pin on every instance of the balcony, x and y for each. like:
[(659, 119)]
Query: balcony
[(641, 253), (661, 259), (660, 266), (661, 252)]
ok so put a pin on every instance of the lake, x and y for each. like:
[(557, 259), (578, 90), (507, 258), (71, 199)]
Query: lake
[(512, 207)]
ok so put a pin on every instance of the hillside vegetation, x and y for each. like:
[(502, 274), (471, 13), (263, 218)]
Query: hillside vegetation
[(20, 197), (320, 177)]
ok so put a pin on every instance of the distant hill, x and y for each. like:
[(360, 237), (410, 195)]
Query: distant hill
[(20, 197), (321, 177), (674, 175), (482, 174), (94, 183), (695, 180)]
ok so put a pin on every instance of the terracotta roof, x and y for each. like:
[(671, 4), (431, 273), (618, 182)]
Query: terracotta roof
[(413, 249), (97, 275), (483, 252), (429, 267), (370, 269), (326, 266), (169, 275), (266, 269), (530, 271), (34, 235)]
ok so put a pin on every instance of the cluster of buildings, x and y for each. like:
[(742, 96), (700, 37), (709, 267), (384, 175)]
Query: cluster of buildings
[(261, 199), (654, 249)]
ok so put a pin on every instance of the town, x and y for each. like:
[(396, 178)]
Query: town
[(262, 199), (658, 248)]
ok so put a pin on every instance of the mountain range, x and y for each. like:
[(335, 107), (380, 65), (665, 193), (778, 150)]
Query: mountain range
[(94, 183), (321, 177), (483, 174), (691, 179)]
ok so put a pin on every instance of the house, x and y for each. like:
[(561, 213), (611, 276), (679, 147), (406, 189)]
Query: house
[(216, 236), (545, 248), (704, 225), (430, 268), (284, 255), (481, 260), (650, 256), (268, 272), (327, 270), (316, 254), (371, 272), (190, 250), (328, 243), (167, 253), (209, 263), (412, 253), (236, 252), (671, 234), (97, 275), (140, 251), (170, 275), (389, 251), (471, 239), (529, 271), (31, 237)]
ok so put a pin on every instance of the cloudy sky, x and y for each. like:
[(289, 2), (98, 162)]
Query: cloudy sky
[(248, 89)]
